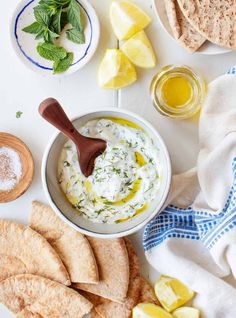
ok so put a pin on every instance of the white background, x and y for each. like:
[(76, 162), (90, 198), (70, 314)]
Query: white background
[(20, 89)]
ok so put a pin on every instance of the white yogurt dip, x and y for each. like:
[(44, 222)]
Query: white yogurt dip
[(126, 177)]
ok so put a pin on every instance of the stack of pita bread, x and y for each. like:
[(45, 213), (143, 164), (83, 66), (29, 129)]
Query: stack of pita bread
[(49, 270), (193, 22)]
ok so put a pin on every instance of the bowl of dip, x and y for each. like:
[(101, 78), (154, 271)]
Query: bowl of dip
[(130, 182)]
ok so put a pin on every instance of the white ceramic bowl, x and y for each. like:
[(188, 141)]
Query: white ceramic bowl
[(65, 210), (207, 48), (24, 44)]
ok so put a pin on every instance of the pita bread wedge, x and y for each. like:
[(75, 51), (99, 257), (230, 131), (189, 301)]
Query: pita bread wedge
[(215, 20), (108, 308), (182, 30), (113, 267), (30, 296), (24, 251), (94, 314), (72, 247), (94, 299), (147, 294)]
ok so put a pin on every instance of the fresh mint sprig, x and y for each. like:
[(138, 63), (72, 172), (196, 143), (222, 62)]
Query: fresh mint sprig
[(51, 17)]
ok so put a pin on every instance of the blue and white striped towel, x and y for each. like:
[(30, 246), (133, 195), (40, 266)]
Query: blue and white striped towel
[(194, 238)]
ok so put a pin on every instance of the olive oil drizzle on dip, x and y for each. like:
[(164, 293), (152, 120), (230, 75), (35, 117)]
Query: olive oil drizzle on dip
[(126, 176)]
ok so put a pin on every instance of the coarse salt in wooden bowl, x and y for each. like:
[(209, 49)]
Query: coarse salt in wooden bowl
[(13, 145)]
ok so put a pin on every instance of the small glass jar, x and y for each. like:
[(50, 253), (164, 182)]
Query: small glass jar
[(177, 91)]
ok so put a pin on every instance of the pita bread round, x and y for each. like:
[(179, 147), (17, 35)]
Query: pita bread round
[(31, 296), (108, 309), (72, 247), (113, 266), (24, 251), (215, 20), (182, 30)]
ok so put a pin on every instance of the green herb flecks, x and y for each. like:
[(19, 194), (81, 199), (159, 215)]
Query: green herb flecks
[(19, 114), (66, 164), (51, 17)]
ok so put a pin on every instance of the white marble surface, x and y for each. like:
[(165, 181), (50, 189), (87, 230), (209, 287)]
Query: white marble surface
[(20, 89)]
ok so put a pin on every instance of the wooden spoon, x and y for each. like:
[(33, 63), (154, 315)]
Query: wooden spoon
[(88, 149)]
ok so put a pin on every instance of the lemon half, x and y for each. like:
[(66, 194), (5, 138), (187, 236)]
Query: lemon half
[(150, 311), (115, 70), (172, 293), (139, 50), (186, 312), (127, 19)]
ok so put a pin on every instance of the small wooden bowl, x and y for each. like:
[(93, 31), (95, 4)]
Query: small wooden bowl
[(10, 141)]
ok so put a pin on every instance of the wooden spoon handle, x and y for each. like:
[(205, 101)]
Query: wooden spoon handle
[(51, 110)]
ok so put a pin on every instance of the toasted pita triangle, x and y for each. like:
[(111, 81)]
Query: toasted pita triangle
[(182, 30), (113, 267), (31, 296), (94, 314), (24, 251), (73, 247), (108, 308), (147, 294), (214, 19)]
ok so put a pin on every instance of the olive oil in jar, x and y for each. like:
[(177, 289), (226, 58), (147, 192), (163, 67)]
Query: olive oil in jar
[(177, 91)]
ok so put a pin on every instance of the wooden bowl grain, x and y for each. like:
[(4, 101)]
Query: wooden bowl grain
[(10, 141)]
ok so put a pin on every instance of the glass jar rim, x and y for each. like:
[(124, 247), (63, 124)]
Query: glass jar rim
[(195, 102)]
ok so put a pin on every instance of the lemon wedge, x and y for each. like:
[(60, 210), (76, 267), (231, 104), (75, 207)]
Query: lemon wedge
[(115, 70), (139, 50), (150, 311), (127, 19), (186, 312), (172, 293)]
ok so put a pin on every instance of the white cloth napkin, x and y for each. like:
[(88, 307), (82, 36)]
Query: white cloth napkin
[(194, 238)]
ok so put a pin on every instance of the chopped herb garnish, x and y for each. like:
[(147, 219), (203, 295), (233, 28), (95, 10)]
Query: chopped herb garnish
[(19, 114), (66, 163)]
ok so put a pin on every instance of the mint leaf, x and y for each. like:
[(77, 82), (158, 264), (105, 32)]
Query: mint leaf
[(40, 35), (51, 10), (54, 2), (64, 19), (74, 15), (18, 114), (56, 21), (51, 36), (63, 64), (41, 16), (51, 52), (76, 36), (33, 28)]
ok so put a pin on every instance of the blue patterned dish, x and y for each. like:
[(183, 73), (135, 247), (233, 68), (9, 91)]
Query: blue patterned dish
[(25, 44)]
